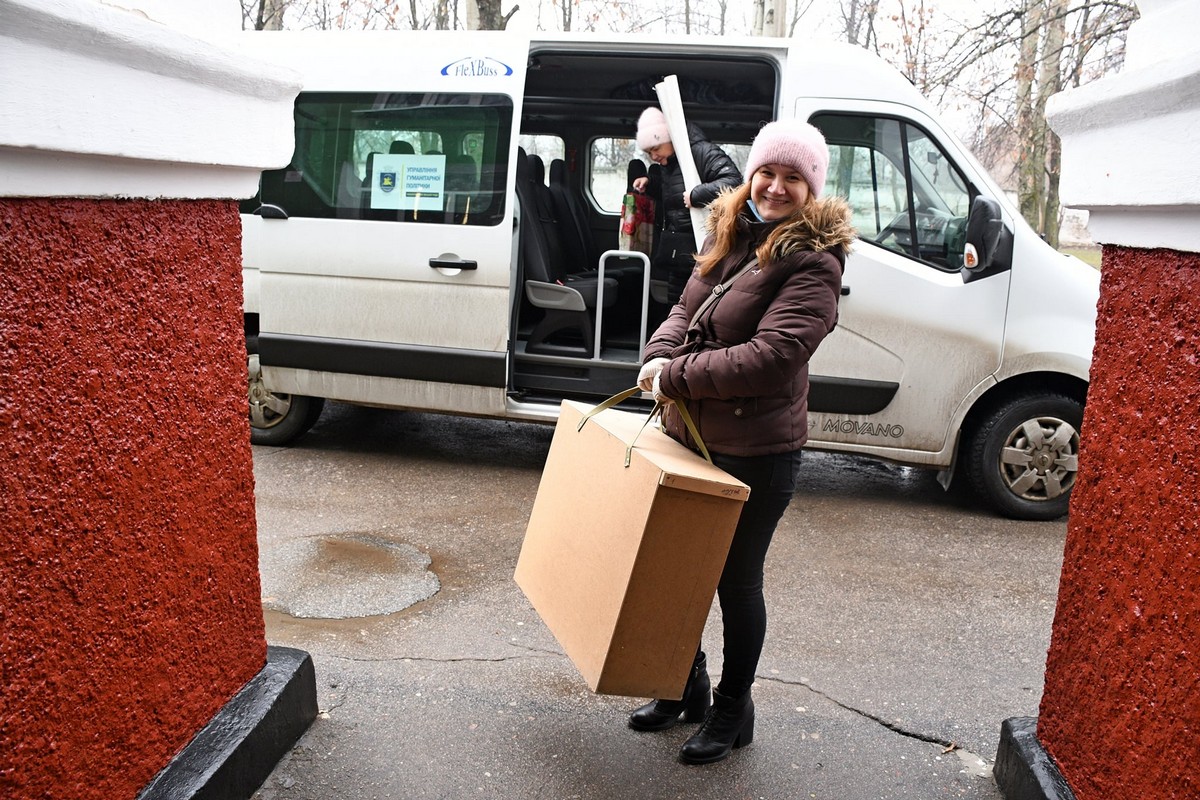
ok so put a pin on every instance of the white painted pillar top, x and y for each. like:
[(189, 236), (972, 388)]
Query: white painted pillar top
[(1129, 140), (132, 98)]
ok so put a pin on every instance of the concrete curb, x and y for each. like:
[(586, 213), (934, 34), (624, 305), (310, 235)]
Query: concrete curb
[(1024, 770), (234, 753)]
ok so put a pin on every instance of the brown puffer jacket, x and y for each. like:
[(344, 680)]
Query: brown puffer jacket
[(742, 369)]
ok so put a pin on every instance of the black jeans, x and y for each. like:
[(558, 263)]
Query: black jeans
[(772, 481)]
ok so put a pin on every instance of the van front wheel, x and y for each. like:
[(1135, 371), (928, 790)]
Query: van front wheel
[(1023, 456), (276, 419)]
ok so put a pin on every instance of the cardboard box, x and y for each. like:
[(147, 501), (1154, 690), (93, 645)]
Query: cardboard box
[(622, 562)]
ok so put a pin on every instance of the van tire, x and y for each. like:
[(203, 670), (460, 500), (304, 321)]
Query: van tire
[(276, 419), (1040, 434)]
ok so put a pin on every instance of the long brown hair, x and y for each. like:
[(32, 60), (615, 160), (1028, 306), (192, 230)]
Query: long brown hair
[(725, 232)]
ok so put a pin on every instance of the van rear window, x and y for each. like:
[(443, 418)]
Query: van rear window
[(396, 156)]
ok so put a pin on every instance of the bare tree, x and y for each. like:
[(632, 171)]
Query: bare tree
[(489, 15), (1047, 149), (1054, 43), (263, 15), (858, 22), (915, 45), (769, 17), (1029, 169), (567, 9)]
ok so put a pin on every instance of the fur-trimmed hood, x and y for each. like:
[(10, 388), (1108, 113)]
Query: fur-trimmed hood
[(823, 225)]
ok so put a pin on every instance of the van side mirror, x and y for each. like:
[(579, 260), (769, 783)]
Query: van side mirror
[(988, 250)]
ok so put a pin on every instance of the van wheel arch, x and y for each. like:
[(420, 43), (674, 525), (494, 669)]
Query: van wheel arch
[(1020, 444), (276, 419)]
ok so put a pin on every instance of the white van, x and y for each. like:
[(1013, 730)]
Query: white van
[(414, 256)]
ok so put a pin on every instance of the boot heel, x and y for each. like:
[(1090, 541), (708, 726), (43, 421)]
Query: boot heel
[(745, 735)]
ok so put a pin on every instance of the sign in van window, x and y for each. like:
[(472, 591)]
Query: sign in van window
[(396, 157), (408, 183)]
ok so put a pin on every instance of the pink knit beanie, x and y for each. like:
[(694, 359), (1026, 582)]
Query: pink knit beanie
[(795, 144), (652, 129)]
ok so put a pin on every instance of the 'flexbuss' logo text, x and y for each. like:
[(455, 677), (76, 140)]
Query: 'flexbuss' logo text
[(476, 68)]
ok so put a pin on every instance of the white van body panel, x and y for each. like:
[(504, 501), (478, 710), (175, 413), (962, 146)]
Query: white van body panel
[(937, 330), (1051, 311)]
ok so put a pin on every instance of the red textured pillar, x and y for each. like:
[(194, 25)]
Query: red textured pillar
[(1120, 712), (129, 590)]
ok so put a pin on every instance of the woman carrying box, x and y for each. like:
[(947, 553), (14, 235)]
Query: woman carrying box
[(735, 352)]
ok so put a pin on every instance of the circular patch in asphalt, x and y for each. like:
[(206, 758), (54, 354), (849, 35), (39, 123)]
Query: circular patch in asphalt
[(341, 577)]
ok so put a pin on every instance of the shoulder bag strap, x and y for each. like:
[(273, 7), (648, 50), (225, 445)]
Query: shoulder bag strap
[(719, 290)]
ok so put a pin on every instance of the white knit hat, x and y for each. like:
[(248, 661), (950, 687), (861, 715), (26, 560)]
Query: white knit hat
[(652, 129), (795, 144)]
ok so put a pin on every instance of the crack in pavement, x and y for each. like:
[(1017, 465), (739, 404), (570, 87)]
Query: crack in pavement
[(891, 726), (533, 652)]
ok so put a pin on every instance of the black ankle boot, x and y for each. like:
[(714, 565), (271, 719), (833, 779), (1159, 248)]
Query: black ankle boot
[(729, 724), (658, 715)]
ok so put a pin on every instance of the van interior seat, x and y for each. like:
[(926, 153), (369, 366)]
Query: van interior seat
[(567, 248), (365, 196), (568, 301), (462, 186), (569, 209), (400, 148), (349, 192)]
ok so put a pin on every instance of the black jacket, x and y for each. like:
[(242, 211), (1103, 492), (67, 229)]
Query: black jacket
[(717, 172)]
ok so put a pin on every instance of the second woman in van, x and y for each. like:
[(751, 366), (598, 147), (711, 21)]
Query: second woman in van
[(739, 363), (676, 242)]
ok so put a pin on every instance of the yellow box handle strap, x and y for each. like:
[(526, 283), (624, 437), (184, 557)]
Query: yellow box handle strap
[(656, 411)]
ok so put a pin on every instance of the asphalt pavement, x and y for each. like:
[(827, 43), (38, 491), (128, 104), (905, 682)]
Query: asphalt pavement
[(904, 626)]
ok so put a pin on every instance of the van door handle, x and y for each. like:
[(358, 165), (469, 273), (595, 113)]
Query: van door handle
[(452, 263), (845, 290)]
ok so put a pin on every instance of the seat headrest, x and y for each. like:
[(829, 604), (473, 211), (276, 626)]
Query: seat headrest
[(558, 171), (522, 166), (537, 169), (460, 173), (400, 147)]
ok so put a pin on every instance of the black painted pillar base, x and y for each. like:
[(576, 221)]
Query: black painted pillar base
[(234, 753), (1024, 770)]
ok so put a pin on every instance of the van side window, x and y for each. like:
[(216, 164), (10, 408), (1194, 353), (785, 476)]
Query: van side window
[(399, 157), (897, 181), (609, 171)]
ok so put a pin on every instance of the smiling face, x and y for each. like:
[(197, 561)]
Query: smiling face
[(661, 152), (778, 191)]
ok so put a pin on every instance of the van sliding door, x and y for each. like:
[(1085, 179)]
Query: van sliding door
[(385, 251)]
